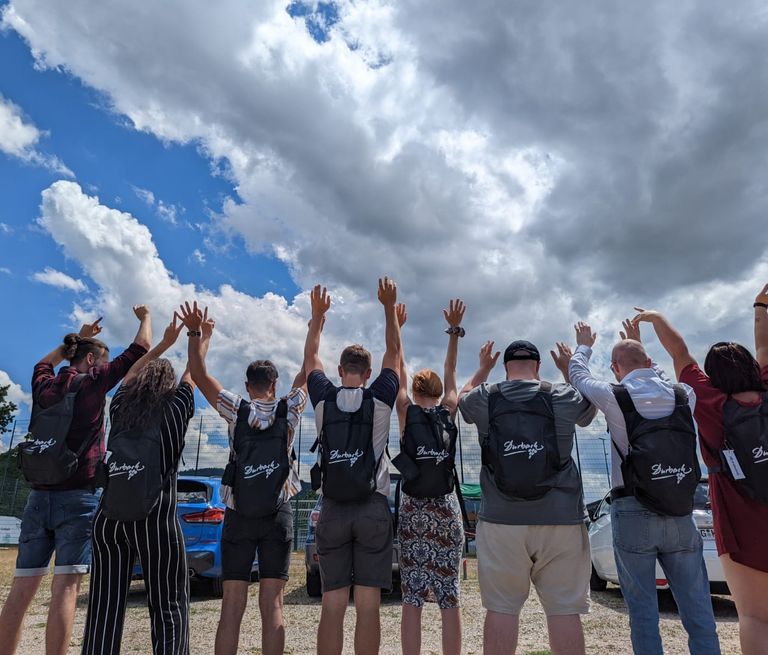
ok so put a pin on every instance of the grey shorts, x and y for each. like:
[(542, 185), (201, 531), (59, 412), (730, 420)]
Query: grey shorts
[(354, 543)]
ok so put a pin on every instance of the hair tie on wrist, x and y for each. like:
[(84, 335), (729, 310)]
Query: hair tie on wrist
[(761, 304)]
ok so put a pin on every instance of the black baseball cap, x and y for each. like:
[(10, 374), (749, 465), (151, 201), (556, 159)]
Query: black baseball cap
[(529, 351)]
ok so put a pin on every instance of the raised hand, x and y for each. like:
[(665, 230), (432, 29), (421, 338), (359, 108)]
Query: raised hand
[(91, 329), (141, 311), (562, 356), (206, 327), (191, 317), (387, 292), (320, 301), (172, 331), (487, 358), (644, 315), (402, 314), (631, 330), (584, 334), (455, 312), (762, 297)]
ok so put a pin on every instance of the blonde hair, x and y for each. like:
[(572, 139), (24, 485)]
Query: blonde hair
[(427, 383)]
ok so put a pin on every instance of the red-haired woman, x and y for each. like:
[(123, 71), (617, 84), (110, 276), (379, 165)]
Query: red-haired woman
[(732, 389)]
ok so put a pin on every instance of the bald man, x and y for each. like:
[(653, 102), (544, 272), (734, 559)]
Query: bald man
[(641, 536)]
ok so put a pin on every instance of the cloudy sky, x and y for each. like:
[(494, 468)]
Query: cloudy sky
[(546, 162)]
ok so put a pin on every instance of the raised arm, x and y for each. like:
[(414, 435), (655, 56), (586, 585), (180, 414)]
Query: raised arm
[(562, 358), (402, 393), (761, 327), (143, 337), (169, 338), (320, 302), (453, 315), (487, 361), (388, 297), (200, 329), (670, 338), (56, 356)]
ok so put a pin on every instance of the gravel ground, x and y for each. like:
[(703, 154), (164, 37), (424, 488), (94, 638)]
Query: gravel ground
[(606, 627)]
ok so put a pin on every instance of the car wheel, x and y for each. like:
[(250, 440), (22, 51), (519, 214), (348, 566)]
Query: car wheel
[(596, 583), (314, 586), (217, 587)]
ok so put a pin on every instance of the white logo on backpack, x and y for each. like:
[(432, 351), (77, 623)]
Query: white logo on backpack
[(760, 455), (422, 452), (661, 472), (339, 456), (125, 469), (42, 445), (262, 469), (512, 448)]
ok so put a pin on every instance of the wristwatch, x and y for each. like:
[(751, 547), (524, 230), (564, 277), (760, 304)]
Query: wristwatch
[(455, 330), (194, 333)]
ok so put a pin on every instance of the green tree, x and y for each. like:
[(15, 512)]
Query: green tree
[(7, 409)]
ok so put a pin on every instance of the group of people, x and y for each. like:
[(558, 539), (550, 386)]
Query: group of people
[(531, 523)]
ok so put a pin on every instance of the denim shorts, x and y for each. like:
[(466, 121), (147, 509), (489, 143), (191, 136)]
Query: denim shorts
[(58, 521)]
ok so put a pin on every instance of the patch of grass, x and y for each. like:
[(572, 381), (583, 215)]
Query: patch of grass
[(540, 652)]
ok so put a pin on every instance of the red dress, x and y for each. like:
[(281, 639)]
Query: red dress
[(740, 523)]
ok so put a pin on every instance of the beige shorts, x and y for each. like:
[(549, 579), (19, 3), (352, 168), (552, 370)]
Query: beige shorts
[(554, 557)]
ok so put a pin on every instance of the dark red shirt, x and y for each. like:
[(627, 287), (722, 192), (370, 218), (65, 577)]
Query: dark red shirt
[(741, 524), (48, 388)]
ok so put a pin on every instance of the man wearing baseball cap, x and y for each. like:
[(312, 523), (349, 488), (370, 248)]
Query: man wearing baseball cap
[(531, 520)]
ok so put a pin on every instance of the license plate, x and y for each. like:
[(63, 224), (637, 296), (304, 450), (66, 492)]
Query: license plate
[(707, 533)]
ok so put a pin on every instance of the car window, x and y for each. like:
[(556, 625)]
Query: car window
[(603, 508), (192, 491), (701, 496)]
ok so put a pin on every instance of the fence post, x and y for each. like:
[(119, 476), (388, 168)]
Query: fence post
[(301, 420), (461, 452), (15, 490), (199, 439), (605, 459), (8, 463), (578, 454)]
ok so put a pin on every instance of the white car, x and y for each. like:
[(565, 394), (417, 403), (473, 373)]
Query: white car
[(601, 542)]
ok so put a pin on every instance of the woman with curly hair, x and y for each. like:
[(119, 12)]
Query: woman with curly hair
[(430, 529), (148, 400), (732, 388)]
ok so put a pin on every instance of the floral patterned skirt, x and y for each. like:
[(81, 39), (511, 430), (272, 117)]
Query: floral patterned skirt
[(431, 536)]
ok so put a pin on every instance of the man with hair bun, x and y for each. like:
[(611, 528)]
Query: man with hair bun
[(354, 531), (59, 517), (646, 522)]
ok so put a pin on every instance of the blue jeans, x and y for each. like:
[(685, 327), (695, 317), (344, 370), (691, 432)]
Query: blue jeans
[(640, 537), (59, 521)]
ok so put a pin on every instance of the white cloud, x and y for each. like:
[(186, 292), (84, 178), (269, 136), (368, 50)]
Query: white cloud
[(15, 393), (198, 256), (18, 138), (546, 163), (5, 270), (58, 279), (165, 211), (5, 228), (145, 195)]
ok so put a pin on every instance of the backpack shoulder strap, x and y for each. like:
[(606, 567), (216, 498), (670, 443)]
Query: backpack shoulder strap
[(545, 387), (462, 504), (281, 411), (76, 383), (681, 396), (244, 411), (623, 399), (494, 388)]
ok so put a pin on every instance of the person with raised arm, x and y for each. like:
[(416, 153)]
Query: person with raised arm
[(136, 518), (531, 521), (732, 416), (354, 530), (59, 512), (654, 476), (258, 483), (430, 530)]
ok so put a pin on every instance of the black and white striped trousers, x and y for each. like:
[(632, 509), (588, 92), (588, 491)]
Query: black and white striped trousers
[(159, 544)]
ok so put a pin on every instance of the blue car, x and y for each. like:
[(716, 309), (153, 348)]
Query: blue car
[(201, 515)]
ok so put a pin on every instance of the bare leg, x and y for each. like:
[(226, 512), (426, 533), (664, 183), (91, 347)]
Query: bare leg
[(232, 609), (451, 631), (500, 633), (566, 636), (410, 630), (61, 612), (330, 632), (368, 627), (749, 588), (271, 608), (23, 590)]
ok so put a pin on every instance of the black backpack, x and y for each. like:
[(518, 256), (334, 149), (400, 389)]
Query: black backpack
[(746, 436), (261, 463), (348, 466), (521, 449), (661, 469), (44, 457), (425, 461), (133, 473)]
